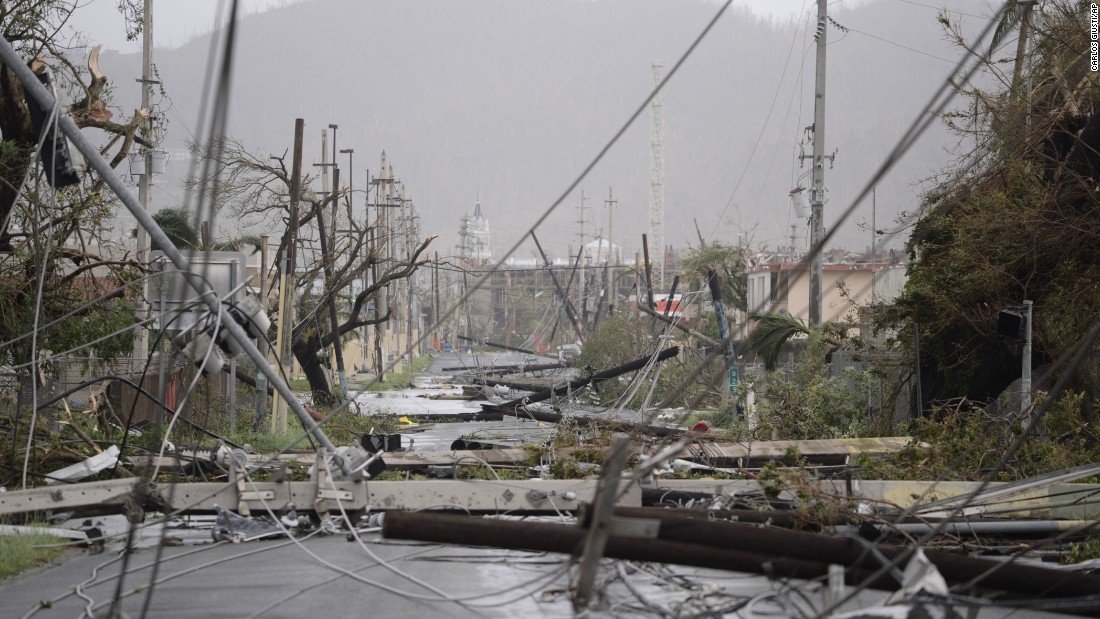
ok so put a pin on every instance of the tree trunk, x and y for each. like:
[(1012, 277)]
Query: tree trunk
[(307, 354)]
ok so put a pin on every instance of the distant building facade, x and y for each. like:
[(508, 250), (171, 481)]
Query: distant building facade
[(844, 287)]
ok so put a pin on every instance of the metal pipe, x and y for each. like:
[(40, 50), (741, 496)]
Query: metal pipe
[(11, 59)]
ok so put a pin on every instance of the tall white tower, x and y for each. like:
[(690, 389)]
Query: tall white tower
[(657, 177)]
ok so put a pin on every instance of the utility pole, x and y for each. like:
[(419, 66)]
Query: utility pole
[(330, 282), (817, 188), (287, 283), (569, 311), (733, 376), (610, 204), (261, 343), (1025, 377), (435, 304), (583, 259), (611, 261), (874, 240), (141, 342), (350, 152)]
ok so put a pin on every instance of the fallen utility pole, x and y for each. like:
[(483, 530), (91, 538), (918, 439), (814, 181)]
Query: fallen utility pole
[(1016, 579), (600, 524), (671, 294), (732, 373), (509, 369), (115, 496), (568, 291), (545, 537), (738, 547), (678, 325), (511, 384), (10, 58), (648, 273), (595, 379), (569, 311), (525, 351)]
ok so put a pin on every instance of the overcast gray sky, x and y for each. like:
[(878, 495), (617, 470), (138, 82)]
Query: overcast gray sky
[(177, 21)]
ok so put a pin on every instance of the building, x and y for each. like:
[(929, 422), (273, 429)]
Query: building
[(844, 287), (474, 237)]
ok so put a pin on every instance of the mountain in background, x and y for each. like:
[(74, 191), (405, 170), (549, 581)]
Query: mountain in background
[(506, 101)]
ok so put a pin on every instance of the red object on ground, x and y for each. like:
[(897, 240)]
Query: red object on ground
[(701, 426)]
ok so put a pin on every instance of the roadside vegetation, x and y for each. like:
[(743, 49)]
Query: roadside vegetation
[(25, 551)]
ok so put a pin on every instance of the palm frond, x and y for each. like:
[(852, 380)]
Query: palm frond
[(771, 332)]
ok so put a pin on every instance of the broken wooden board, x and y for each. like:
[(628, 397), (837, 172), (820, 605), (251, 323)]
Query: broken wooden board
[(816, 452)]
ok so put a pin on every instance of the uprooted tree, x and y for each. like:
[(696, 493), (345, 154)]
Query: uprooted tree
[(257, 188)]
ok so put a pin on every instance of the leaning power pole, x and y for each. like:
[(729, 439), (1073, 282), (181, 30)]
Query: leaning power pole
[(817, 188)]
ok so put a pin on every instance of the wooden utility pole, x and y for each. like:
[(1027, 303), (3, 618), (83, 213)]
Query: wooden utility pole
[(435, 306), (287, 284), (648, 272), (330, 283)]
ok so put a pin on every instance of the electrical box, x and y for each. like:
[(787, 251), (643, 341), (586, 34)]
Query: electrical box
[(1011, 324)]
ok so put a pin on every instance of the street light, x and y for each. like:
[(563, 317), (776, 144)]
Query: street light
[(1014, 323)]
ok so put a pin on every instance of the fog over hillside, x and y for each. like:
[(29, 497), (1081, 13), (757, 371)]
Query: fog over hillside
[(510, 99)]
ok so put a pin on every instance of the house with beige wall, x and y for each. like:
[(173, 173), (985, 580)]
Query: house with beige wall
[(845, 287)]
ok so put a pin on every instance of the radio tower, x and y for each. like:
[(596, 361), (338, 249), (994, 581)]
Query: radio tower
[(657, 176)]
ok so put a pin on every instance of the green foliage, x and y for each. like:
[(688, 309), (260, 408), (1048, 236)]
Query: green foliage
[(962, 442), (60, 296), (772, 331), (1084, 550), (625, 337), (808, 403), (21, 552), (1019, 224), (246, 243), (399, 380), (728, 262), (176, 223)]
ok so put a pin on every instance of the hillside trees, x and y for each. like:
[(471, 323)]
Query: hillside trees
[(1017, 220)]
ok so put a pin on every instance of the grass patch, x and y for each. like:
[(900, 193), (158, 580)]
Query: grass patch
[(298, 384), (19, 552), (399, 380)]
